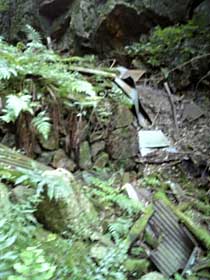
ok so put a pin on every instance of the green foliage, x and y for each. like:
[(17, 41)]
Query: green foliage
[(32, 265), (173, 45), (6, 71), (15, 105), (8, 253), (105, 191), (36, 60), (17, 223), (33, 35), (4, 6), (120, 228), (42, 124), (111, 266), (56, 183), (31, 77), (152, 181)]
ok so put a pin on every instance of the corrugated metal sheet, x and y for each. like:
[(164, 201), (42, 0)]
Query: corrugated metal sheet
[(175, 247)]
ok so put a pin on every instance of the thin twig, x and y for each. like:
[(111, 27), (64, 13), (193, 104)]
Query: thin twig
[(201, 79), (160, 77), (156, 117), (172, 107), (189, 62)]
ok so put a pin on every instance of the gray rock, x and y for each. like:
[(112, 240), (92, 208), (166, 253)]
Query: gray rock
[(201, 13), (71, 212), (122, 143), (46, 157), (9, 140), (96, 148), (85, 161), (60, 160), (53, 8), (14, 19), (50, 144), (123, 117), (114, 23), (91, 25), (153, 276), (102, 160), (174, 11), (21, 194)]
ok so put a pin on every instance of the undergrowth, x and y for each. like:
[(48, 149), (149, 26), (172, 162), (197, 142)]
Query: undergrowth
[(174, 45), (26, 256), (32, 78)]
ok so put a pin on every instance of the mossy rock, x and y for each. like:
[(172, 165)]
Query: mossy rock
[(71, 255), (85, 160), (69, 215), (137, 267), (153, 276)]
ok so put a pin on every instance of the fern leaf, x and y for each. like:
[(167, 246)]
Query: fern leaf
[(42, 124), (6, 71), (32, 34), (83, 86), (15, 105)]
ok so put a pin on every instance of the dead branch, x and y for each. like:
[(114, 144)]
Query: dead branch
[(172, 107), (105, 74)]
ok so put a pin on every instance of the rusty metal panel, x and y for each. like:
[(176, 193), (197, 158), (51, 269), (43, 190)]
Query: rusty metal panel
[(175, 246)]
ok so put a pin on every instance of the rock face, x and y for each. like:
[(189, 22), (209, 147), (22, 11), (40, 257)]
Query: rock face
[(53, 8), (91, 25), (153, 276), (68, 213), (15, 16), (202, 12)]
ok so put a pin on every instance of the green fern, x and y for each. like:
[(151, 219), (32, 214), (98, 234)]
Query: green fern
[(83, 87), (15, 105), (32, 262), (8, 253), (55, 182), (6, 72), (106, 192), (120, 228), (32, 34), (42, 124)]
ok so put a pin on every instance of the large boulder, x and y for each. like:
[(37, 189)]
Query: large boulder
[(202, 11), (90, 25), (53, 8), (107, 25), (68, 214), (15, 16)]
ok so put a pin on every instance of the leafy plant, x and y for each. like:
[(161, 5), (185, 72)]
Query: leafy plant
[(106, 192), (172, 45), (42, 124), (32, 265), (120, 228), (8, 253), (6, 71), (15, 105)]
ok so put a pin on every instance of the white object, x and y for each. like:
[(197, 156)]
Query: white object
[(152, 139)]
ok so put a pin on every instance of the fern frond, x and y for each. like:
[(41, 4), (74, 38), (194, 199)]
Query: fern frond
[(15, 105), (105, 191), (32, 34), (55, 182), (6, 71), (83, 87), (42, 124), (119, 228)]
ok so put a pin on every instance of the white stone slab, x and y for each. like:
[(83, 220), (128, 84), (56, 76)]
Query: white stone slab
[(152, 139)]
